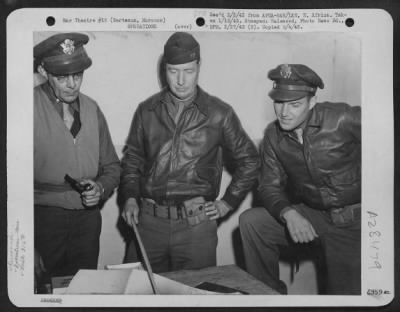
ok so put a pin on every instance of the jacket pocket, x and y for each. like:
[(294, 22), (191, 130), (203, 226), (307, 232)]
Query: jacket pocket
[(346, 186), (207, 173), (348, 177), (211, 175)]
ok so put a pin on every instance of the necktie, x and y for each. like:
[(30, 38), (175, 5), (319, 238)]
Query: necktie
[(72, 122), (76, 126), (299, 133), (68, 117)]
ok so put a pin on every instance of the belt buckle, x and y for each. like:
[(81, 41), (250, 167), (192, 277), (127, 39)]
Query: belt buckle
[(154, 209), (179, 211), (169, 212), (167, 203)]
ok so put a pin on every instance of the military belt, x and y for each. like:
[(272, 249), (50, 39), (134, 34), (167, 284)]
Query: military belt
[(47, 187), (346, 214), (192, 210), (171, 211)]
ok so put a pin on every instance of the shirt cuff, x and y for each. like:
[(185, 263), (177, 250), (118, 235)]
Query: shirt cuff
[(283, 211), (106, 188), (127, 193), (102, 190), (231, 200)]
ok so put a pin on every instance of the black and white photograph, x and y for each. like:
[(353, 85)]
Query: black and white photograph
[(216, 153)]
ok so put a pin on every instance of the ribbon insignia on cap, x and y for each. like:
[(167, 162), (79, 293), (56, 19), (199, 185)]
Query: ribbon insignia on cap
[(68, 46), (286, 71)]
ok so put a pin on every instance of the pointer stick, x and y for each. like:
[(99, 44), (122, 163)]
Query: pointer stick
[(146, 260)]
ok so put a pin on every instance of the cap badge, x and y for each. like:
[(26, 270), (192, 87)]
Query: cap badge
[(192, 55), (286, 71), (68, 46)]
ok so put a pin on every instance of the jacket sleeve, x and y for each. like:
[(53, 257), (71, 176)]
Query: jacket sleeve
[(133, 160), (272, 181), (109, 166), (351, 122), (245, 160)]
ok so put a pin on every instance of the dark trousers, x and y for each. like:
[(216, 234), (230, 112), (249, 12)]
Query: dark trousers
[(262, 236), (174, 244), (67, 240)]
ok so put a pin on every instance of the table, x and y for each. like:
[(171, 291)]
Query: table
[(226, 275)]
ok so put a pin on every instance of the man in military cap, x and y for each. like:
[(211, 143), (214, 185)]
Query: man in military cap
[(71, 137), (310, 183), (172, 166)]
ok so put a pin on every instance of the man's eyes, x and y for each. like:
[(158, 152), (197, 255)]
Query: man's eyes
[(296, 104), (174, 71), (74, 76), (188, 71)]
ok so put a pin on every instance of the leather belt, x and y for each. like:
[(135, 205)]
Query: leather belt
[(47, 187), (346, 214), (169, 210)]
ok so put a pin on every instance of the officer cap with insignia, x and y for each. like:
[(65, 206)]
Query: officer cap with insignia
[(293, 82), (181, 48), (63, 54)]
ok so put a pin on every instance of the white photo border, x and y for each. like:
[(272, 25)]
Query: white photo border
[(377, 148)]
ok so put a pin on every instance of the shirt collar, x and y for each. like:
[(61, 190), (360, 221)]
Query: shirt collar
[(56, 101), (313, 121), (199, 101)]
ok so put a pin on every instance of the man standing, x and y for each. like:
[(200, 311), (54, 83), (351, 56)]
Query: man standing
[(172, 167), (71, 137), (310, 183)]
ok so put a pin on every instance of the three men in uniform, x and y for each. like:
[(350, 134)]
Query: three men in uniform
[(310, 179)]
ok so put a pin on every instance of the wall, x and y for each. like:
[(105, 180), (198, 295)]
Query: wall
[(234, 68)]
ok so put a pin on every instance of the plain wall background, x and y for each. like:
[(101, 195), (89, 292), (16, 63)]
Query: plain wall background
[(234, 67)]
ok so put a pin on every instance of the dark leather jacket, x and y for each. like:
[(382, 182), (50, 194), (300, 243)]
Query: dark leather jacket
[(324, 172), (164, 161)]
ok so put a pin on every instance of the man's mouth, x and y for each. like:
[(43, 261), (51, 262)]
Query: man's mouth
[(70, 94)]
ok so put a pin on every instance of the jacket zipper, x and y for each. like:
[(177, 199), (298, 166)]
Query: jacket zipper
[(173, 147), (308, 160)]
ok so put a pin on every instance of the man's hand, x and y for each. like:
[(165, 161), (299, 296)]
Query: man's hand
[(92, 196), (131, 212), (300, 229), (217, 209)]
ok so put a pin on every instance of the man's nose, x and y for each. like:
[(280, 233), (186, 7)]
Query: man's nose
[(285, 109), (181, 78), (71, 82)]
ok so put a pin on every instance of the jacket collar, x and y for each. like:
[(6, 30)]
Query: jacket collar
[(200, 101), (315, 118), (313, 122)]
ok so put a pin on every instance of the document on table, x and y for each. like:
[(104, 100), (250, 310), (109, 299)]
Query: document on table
[(126, 281)]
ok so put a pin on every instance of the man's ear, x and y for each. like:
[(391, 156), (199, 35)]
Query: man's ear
[(313, 101), (42, 72)]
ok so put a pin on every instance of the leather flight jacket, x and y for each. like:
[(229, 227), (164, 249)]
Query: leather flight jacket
[(324, 172), (177, 162)]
